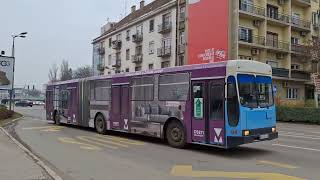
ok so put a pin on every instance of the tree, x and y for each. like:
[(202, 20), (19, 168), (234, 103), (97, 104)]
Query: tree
[(65, 71), (53, 73), (83, 72), (313, 53)]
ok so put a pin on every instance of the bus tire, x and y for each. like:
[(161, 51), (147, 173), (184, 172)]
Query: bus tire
[(100, 124), (56, 118), (176, 135)]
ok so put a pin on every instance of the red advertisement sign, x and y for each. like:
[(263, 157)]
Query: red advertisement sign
[(208, 31)]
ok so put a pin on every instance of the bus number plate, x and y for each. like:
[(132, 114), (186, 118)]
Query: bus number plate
[(264, 136)]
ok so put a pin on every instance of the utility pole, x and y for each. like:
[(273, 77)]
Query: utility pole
[(21, 35)]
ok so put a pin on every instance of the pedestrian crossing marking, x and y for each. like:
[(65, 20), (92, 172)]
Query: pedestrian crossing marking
[(95, 141), (82, 145), (122, 140)]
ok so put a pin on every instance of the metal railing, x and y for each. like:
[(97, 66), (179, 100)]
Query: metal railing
[(250, 8), (116, 44), (280, 72), (298, 74), (137, 58), (164, 51), (101, 50), (100, 67), (165, 27), (299, 48), (282, 45), (298, 22), (181, 48), (136, 38), (254, 39), (279, 16), (117, 63)]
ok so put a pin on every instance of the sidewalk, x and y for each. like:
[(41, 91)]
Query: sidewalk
[(15, 164)]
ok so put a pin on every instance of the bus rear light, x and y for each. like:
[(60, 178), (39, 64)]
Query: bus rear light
[(246, 133), (274, 130)]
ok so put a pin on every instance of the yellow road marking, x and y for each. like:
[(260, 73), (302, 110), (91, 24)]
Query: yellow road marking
[(104, 141), (87, 139), (42, 127), (281, 165), (187, 171), (123, 140), (82, 145)]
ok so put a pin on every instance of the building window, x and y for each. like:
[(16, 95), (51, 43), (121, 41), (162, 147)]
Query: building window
[(128, 35), (110, 42), (245, 34), (315, 18), (292, 93), (273, 64), (151, 47), (165, 64), (109, 60), (127, 70), (243, 57), (151, 25), (294, 40), (150, 66), (181, 60), (138, 68), (140, 29), (272, 12), (128, 54), (138, 50), (118, 37), (295, 66)]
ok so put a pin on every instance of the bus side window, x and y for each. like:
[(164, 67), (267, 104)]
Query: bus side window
[(232, 102)]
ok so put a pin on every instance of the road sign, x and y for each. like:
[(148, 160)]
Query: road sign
[(6, 72), (198, 108)]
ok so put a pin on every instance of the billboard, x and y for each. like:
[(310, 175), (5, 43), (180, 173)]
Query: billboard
[(6, 72), (208, 22)]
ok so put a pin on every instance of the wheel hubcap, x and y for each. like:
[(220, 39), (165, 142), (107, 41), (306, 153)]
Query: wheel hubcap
[(176, 134)]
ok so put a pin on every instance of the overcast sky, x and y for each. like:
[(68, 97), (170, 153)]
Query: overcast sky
[(57, 30)]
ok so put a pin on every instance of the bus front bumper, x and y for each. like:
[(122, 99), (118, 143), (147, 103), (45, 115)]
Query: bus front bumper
[(237, 141)]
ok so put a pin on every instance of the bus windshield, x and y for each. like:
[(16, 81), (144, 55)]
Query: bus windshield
[(255, 91)]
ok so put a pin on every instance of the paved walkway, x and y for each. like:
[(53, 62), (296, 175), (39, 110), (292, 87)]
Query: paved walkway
[(15, 164)]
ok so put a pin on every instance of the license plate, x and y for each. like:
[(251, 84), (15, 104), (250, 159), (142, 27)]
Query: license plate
[(264, 136)]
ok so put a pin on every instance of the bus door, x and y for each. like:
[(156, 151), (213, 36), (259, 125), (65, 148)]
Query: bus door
[(120, 107), (208, 112)]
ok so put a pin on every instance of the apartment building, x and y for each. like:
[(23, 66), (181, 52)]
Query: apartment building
[(145, 39), (167, 33)]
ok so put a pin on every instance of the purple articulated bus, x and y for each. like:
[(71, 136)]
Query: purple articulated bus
[(223, 104)]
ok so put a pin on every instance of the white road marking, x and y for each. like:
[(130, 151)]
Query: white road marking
[(297, 147), (308, 130), (300, 136)]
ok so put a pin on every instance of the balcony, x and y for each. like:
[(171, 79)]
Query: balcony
[(164, 28), (252, 40), (303, 3), (182, 17), (181, 48), (164, 52), (298, 49), (280, 72), (298, 74), (278, 18), (277, 45), (116, 44), (300, 24), (117, 63), (137, 58), (182, 1), (251, 10), (137, 38), (101, 50), (100, 67)]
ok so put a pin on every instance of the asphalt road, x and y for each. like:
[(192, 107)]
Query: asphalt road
[(81, 154)]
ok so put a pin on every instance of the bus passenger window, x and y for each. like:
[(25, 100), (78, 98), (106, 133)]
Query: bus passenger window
[(216, 102), (232, 102)]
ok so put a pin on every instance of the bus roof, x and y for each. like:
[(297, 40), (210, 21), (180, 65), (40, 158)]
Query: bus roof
[(233, 66)]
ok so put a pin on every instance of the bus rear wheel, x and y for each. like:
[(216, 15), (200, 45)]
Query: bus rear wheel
[(100, 124), (175, 134)]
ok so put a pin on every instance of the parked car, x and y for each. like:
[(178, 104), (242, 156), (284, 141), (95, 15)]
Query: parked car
[(24, 104)]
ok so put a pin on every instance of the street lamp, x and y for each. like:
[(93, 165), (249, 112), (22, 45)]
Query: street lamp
[(21, 35)]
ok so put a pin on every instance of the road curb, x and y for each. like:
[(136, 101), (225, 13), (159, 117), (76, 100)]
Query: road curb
[(38, 161)]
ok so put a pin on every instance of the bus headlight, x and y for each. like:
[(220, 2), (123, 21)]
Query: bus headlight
[(274, 130), (246, 133)]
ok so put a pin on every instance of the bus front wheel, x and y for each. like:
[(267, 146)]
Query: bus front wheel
[(175, 134), (100, 124)]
